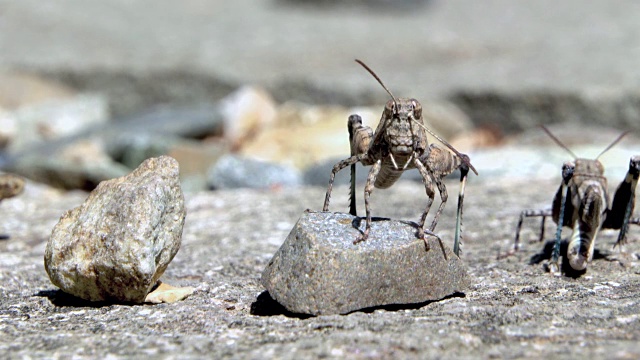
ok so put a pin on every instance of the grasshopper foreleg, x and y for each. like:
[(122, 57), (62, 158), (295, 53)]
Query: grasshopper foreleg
[(555, 255), (368, 188), (337, 167)]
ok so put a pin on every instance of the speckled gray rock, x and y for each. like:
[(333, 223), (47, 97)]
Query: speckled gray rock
[(318, 270), (116, 245)]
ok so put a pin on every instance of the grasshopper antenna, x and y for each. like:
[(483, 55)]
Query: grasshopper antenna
[(395, 102), (617, 140), (557, 141)]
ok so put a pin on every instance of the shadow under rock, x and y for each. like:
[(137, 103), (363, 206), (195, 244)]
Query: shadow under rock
[(4, 237), (265, 305), (62, 299), (414, 306), (566, 269)]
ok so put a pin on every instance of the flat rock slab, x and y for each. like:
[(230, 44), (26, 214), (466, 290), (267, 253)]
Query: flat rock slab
[(318, 270)]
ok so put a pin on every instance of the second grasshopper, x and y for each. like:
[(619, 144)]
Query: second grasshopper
[(582, 204)]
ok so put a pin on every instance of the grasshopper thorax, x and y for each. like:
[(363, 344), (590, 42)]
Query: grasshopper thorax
[(400, 133)]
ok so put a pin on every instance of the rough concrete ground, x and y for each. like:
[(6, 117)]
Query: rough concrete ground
[(512, 310)]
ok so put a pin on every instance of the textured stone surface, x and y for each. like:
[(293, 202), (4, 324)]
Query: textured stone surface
[(318, 269), (116, 245)]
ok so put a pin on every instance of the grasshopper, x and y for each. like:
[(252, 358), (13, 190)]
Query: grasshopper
[(582, 204), (398, 144)]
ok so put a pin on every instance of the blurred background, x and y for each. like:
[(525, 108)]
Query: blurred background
[(257, 93)]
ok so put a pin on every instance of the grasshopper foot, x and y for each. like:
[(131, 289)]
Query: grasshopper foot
[(420, 235), (363, 237), (554, 268)]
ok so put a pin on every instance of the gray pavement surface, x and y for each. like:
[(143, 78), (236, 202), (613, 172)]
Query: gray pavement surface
[(513, 309)]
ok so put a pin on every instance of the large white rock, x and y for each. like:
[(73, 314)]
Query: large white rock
[(116, 245)]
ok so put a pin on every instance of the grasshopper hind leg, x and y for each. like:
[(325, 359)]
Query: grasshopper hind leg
[(428, 186), (464, 171)]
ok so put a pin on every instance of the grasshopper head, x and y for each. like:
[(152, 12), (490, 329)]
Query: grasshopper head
[(588, 167), (400, 133), (567, 171), (579, 257)]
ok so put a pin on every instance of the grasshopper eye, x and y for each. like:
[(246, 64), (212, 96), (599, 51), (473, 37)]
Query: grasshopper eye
[(417, 108)]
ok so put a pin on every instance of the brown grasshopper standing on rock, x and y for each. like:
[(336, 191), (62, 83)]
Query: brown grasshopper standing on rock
[(398, 144), (582, 204)]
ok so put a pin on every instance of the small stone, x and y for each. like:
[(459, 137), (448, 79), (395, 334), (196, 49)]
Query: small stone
[(196, 157), (57, 119), (80, 165), (10, 186), (232, 172), (318, 270), (305, 134), (21, 89), (247, 112), (116, 245), (8, 128), (166, 293), (134, 147)]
